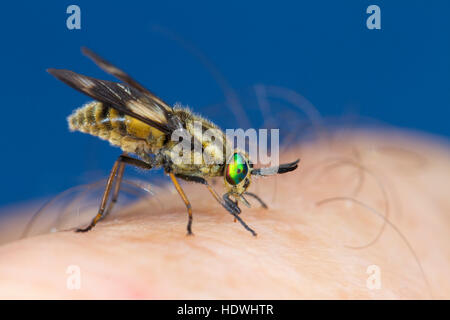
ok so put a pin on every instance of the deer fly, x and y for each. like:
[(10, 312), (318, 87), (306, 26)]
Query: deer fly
[(131, 117)]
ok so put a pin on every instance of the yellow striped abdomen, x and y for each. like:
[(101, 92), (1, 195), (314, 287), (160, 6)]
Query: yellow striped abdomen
[(130, 134)]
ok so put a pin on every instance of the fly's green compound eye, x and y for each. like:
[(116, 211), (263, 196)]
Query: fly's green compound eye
[(236, 170)]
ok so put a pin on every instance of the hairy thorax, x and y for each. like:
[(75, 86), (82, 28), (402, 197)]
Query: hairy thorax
[(203, 151)]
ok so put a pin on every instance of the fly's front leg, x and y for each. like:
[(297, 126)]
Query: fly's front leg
[(231, 206), (261, 202), (119, 166)]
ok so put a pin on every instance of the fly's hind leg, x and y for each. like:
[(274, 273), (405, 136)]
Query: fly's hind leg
[(116, 173), (117, 185)]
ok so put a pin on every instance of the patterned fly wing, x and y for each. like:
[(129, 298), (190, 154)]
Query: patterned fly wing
[(123, 76), (121, 97)]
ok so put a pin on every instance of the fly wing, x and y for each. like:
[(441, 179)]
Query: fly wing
[(123, 98), (123, 76)]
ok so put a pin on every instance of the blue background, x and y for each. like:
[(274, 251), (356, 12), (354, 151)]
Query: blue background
[(399, 75)]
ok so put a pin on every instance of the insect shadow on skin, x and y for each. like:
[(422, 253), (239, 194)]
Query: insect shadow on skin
[(134, 119)]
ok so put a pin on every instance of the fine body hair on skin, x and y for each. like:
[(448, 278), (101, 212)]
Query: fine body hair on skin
[(358, 200)]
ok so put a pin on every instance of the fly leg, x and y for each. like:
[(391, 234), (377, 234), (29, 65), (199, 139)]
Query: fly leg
[(117, 184), (231, 206), (185, 200), (261, 202), (118, 166)]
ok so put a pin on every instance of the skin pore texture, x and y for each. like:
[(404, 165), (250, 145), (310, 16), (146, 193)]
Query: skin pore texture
[(324, 230)]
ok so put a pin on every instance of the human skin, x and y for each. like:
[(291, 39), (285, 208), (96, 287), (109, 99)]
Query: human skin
[(303, 248)]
